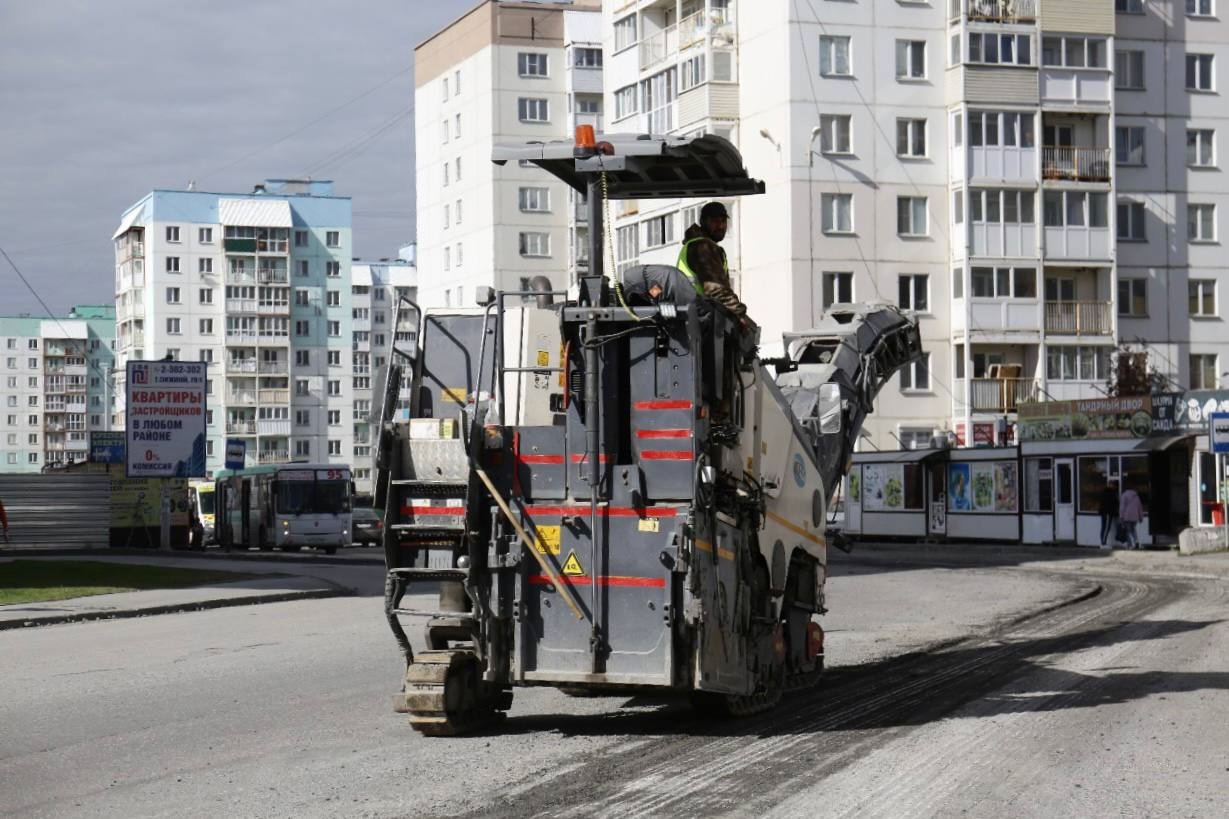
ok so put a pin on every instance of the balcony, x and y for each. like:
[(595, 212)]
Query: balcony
[(274, 368), (273, 275), (276, 308), (241, 398), (1001, 11), (241, 335), (274, 396), (657, 48), (1002, 394), (240, 275), (241, 366), (1079, 318), (274, 426), (696, 27), (240, 427), (1075, 164), (241, 305), (274, 456)]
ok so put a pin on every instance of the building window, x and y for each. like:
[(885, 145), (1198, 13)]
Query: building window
[(334, 358), (1077, 363), (659, 230), (300, 387), (447, 214), (304, 269), (334, 447), (911, 215), (1133, 297), (587, 57), (1073, 52), (458, 166), (1129, 6), (1129, 144), (172, 295), (836, 212), (1199, 8), (1004, 282), (835, 133), (205, 235), (172, 326), (447, 258), (302, 358), (302, 328), (627, 244), (206, 326), (1129, 70), (332, 238), (914, 292), (1201, 296), (32, 458), (172, 264), (456, 210), (1201, 223), (1203, 371), (625, 32), (172, 233), (534, 244), (334, 329), (1075, 209), (532, 109), (911, 137), (910, 59), (456, 81), (834, 56), (838, 288), (334, 386), (915, 376), (625, 102), (1201, 148), (332, 269), (535, 200), (334, 298), (1000, 49), (460, 259), (301, 297), (1199, 72), (205, 295), (531, 64), (658, 93), (207, 353), (300, 238), (692, 72), (204, 265), (992, 129), (302, 449), (1131, 222)]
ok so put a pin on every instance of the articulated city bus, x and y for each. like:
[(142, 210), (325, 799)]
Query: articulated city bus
[(285, 505)]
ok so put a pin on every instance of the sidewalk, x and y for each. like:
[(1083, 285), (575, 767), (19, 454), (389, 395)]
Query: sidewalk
[(267, 588)]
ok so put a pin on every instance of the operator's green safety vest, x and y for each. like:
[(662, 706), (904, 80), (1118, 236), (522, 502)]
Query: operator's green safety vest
[(682, 265)]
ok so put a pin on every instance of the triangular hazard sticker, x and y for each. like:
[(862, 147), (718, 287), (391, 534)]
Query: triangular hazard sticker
[(572, 566)]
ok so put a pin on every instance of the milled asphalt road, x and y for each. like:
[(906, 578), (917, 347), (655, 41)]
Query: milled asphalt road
[(1115, 705)]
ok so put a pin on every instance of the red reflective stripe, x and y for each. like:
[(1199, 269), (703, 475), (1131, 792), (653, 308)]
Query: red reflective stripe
[(607, 580), (663, 433), (437, 510), (580, 459), (666, 455), (541, 459), (611, 511), (662, 405)]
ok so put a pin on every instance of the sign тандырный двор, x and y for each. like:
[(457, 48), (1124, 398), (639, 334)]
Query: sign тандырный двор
[(165, 419)]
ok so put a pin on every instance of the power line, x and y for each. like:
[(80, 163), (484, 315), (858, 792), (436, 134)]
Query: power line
[(362, 143), (30, 287)]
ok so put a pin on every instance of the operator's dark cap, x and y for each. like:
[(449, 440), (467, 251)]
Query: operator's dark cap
[(713, 210)]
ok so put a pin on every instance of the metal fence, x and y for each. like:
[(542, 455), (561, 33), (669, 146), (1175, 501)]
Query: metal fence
[(58, 510)]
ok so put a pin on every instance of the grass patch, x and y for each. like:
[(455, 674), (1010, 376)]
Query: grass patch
[(36, 581)]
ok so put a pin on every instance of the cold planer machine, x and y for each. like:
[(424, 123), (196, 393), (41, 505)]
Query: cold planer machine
[(612, 492)]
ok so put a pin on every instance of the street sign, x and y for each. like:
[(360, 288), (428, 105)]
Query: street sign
[(236, 450), (165, 419), (106, 447), (1218, 431)]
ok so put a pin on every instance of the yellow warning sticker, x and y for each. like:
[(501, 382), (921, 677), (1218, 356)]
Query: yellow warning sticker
[(547, 541), (649, 525), (543, 358), (454, 394), (572, 566)]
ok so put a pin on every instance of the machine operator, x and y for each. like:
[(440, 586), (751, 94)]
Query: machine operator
[(703, 261)]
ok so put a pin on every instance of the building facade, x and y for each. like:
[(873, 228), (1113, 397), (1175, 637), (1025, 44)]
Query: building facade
[(378, 289), (504, 71), (258, 286), (1037, 179), (56, 387)]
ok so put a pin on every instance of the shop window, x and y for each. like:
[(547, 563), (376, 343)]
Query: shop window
[(1038, 485)]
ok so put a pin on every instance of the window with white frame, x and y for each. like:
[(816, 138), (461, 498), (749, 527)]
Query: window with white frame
[(172, 264), (658, 93), (332, 269), (914, 292), (625, 32), (1129, 144), (334, 386), (532, 109), (692, 72), (172, 295), (911, 137), (1075, 209), (206, 326), (1203, 371), (304, 269), (1000, 49), (1003, 282), (958, 207), (334, 447), (835, 133), (1132, 221), (911, 216), (333, 298), (302, 448), (1201, 223), (300, 238), (1074, 363), (915, 376), (534, 200), (302, 328), (1201, 147), (1133, 297), (207, 354), (1001, 128), (1199, 75), (1201, 297), (535, 244), (1199, 8), (205, 235), (837, 288), (172, 233), (1073, 52), (460, 260), (204, 265), (627, 245), (172, 326), (836, 212), (456, 127), (1129, 70), (834, 56), (531, 64), (910, 59), (659, 230), (587, 57), (456, 211), (625, 102), (332, 238)]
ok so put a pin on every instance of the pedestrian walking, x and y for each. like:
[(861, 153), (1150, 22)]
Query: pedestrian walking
[(1131, 512), (4, 522), (1108, 508)]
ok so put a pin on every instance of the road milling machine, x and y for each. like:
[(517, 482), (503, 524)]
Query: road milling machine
[(610, 489)]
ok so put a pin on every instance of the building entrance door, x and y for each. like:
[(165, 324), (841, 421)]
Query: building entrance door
[(1064, 499)]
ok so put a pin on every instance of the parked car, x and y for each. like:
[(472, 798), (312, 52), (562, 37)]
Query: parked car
[(368, 526)]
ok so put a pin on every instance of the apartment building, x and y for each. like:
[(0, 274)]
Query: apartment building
[(56, 388), (258, 285), (504, 71), (377, 288), (1037, 179)]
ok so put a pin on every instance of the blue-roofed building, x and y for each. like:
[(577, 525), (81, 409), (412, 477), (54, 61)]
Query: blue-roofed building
[(258, 285)]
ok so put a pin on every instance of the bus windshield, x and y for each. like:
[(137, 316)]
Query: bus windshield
[(206, 500), (313, 497), (332, 497)]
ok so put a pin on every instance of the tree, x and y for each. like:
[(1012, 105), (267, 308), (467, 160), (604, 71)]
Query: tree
[(1131, 375)]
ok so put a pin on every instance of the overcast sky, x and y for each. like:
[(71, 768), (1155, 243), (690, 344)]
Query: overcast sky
[(102, 101)]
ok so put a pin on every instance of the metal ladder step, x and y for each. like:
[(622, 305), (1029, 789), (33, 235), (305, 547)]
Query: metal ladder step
[(424, 575), (462, 618)]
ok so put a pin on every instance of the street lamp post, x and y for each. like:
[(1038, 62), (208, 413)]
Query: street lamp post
[(811, 208)]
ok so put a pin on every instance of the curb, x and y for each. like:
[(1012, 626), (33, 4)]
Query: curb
[(174, 608), (269, 557)]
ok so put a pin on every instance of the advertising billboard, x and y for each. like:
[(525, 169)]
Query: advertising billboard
[(165, 424)]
